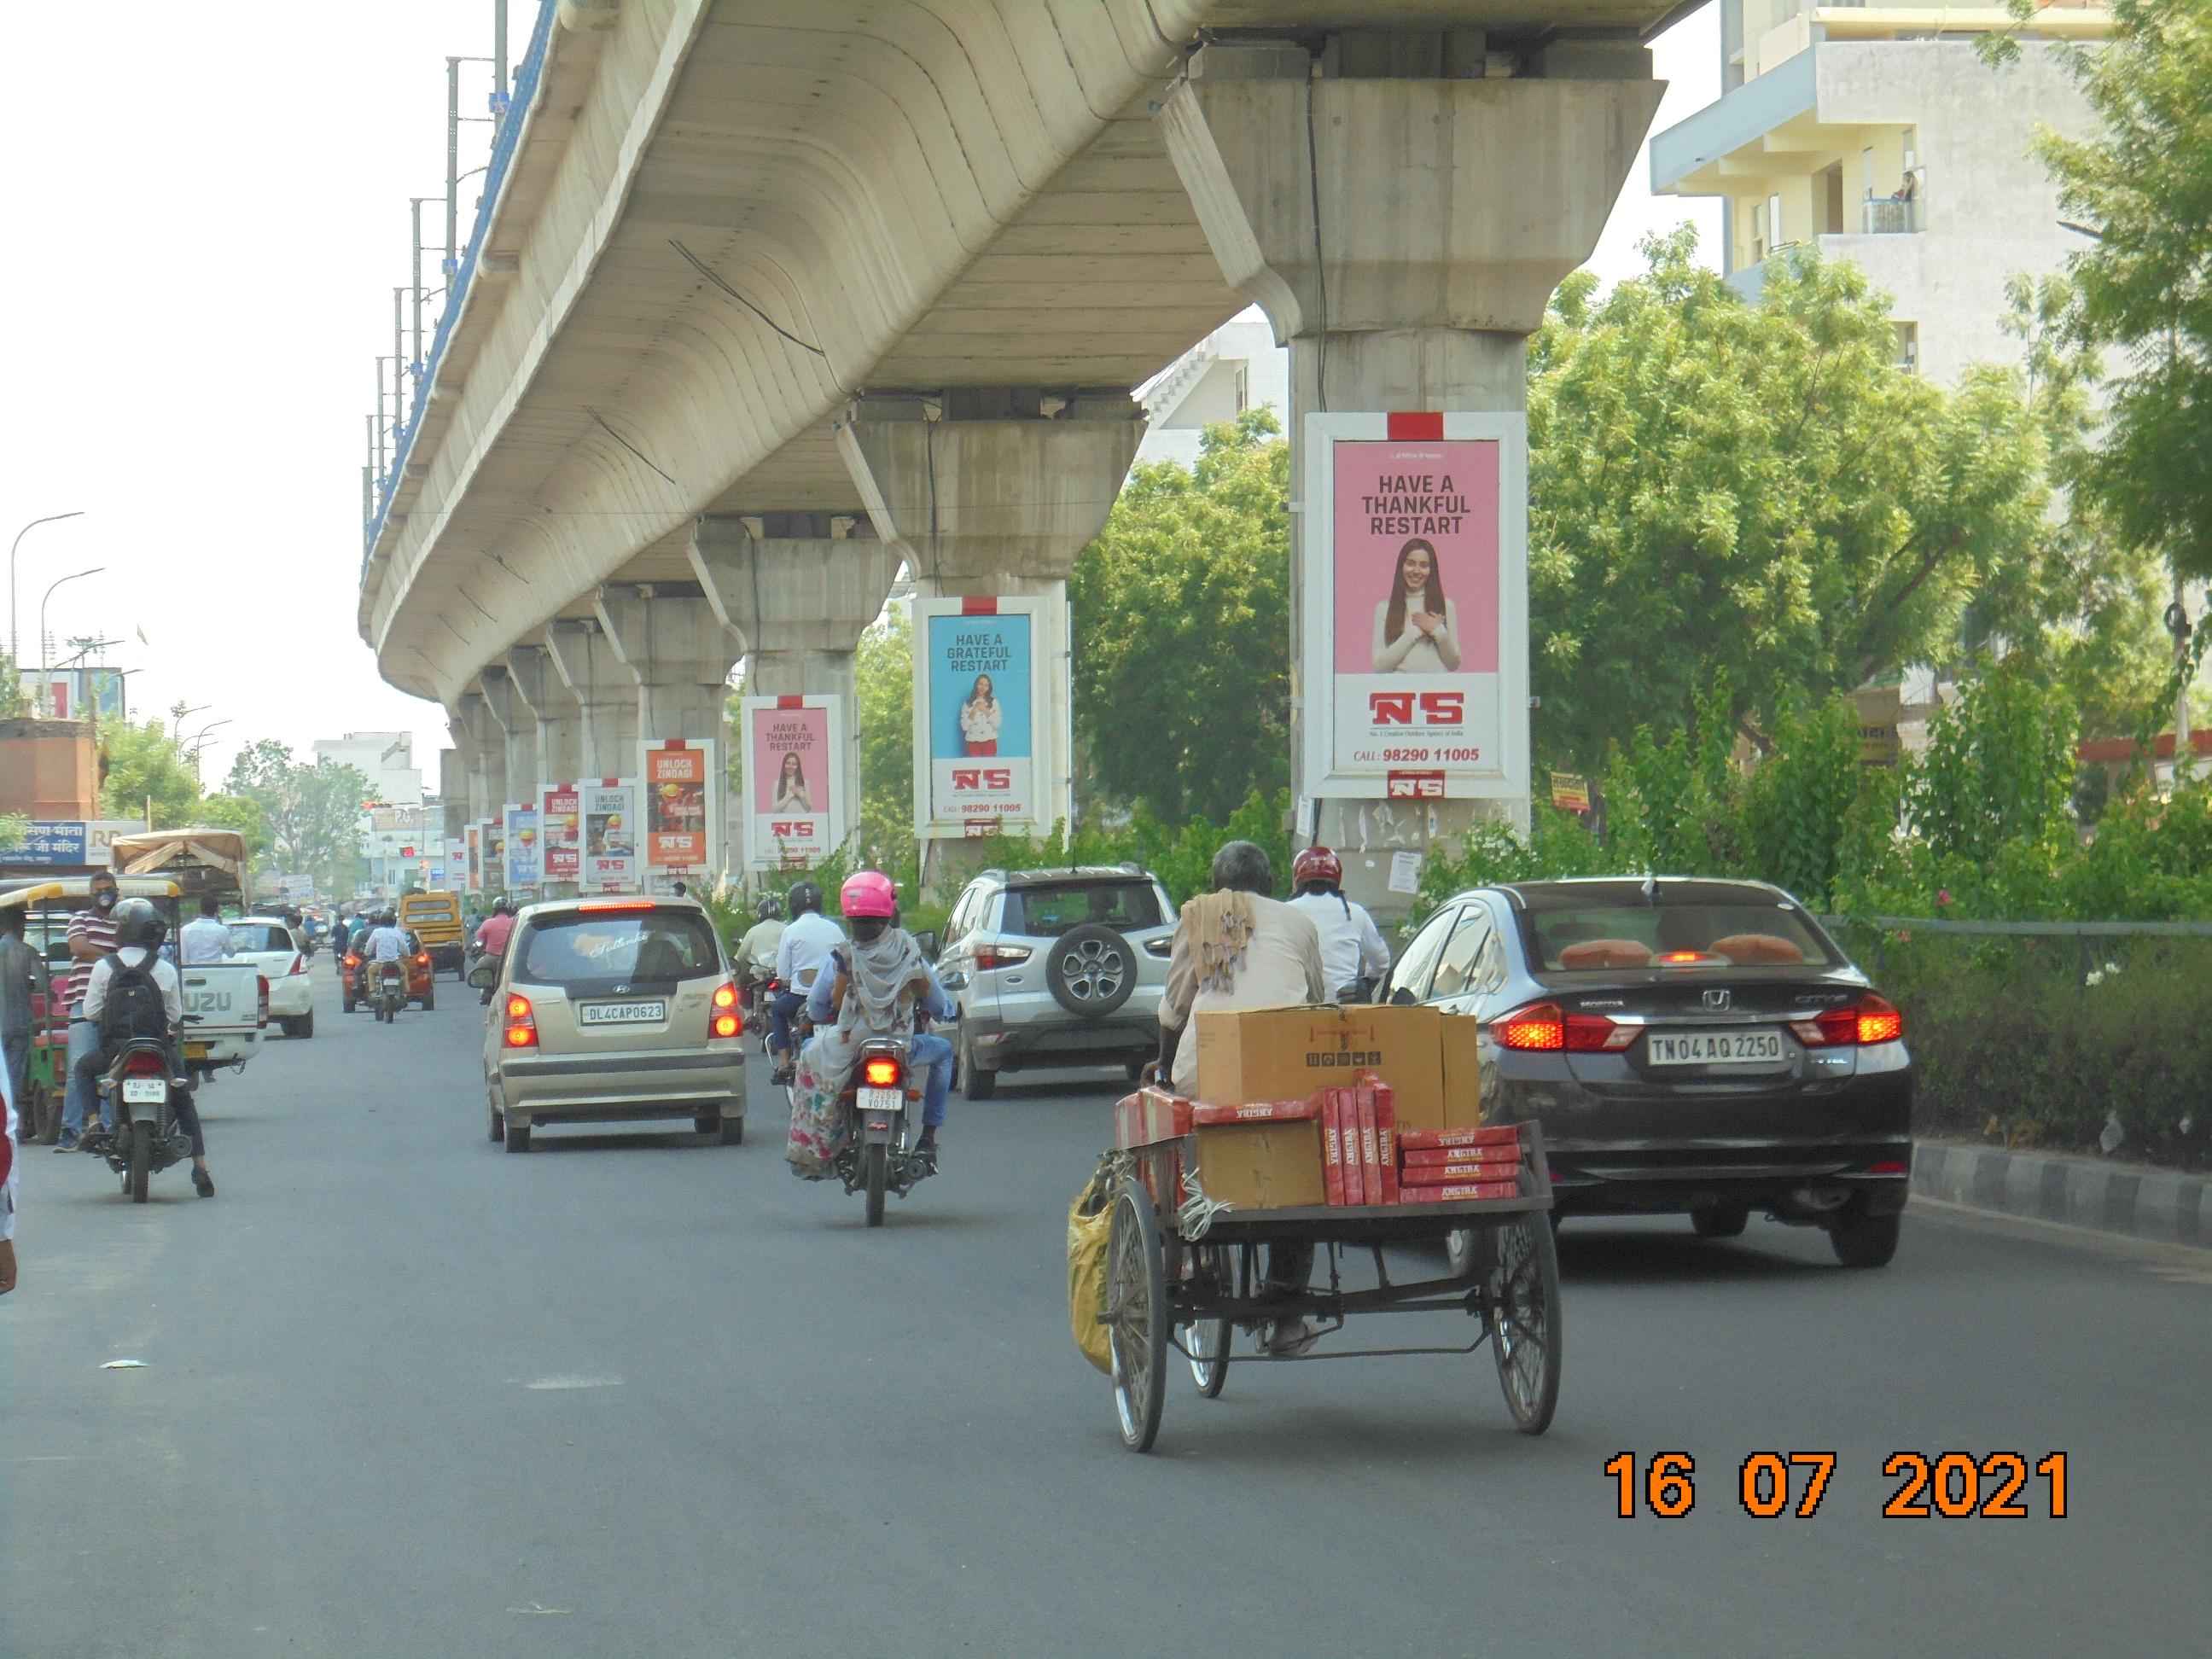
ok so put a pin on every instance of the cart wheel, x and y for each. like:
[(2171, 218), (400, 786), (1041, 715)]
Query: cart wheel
[(1523, 1311), (1137, 1307), (1206, 1341)]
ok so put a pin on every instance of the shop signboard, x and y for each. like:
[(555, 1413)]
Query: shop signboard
[(522, 865), (680, 780), (794, 780), (1415, 627), (978, 688)]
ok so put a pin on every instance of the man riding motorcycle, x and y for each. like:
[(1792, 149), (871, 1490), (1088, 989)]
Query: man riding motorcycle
[(491, 938), (119, 984), (386, 942), (1353, 957), (755, 962), (878, 986), (799, 955)]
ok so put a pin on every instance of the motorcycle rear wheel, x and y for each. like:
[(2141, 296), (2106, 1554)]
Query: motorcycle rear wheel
[(877, 1157), (142, 1159)]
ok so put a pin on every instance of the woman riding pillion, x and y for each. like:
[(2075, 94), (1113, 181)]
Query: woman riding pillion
[(875, 986)]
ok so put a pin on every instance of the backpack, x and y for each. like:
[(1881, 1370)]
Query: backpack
[(134, 1007)]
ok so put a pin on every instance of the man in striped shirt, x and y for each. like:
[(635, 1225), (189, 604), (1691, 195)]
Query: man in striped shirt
[(91, 936)]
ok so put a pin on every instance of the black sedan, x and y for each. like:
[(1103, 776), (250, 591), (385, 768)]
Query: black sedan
[(1689, 1046)]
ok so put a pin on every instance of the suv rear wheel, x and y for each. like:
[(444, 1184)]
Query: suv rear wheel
[(1090, 970)]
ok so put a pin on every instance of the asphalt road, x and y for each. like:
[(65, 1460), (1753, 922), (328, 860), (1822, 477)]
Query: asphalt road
[(406, 1395)]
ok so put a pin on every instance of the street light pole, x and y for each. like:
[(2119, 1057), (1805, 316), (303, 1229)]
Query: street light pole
[(43, 663), (14, 645)]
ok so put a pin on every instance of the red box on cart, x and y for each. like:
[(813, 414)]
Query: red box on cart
[(1462, 1191), (1149, 1117), (1257, 1111), (1415, 1157), (1332, 1145), (1448, 1175), (1370, 1156), (1386, 1137), (1495, 1134)]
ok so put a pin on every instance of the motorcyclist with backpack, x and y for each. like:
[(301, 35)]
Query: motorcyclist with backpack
[(133, 992)]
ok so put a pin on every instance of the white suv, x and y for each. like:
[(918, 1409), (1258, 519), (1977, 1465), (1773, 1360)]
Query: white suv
[(1057, 968)]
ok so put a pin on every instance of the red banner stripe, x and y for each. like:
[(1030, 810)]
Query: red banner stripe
[(790, 702), (984, 607), (1416, 424)]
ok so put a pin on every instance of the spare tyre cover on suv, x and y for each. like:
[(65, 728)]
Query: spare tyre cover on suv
[(1090, 970)]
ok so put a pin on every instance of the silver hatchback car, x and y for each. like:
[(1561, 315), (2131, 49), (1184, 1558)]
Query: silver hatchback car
[(615, 1010), (1057, 968)]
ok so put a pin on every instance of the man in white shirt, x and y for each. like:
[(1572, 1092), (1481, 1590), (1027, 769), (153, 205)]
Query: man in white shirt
[(204, 938), (1351, 947), (807, 941), (138, 930)]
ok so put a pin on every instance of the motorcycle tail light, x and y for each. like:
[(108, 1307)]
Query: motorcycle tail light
[(1541, 1025), (352, 961), (882, 1072), (143, 1066), (521, 1024)]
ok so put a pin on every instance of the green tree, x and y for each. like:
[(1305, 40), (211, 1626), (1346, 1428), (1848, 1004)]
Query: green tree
[(312, 813), (1998, 771), (145, 763), (2143, 189), (1181, 618), (883, 685), (1795, 804), (1753, 491)]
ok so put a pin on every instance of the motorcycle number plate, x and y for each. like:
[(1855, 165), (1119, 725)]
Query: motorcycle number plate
[(145, 1090), (882, 1100)]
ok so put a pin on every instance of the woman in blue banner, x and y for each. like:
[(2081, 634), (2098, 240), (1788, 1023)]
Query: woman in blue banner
[(1416, 628), (979, 718)]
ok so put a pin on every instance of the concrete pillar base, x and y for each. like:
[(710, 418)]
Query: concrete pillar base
[(680, 655), (606, 697)]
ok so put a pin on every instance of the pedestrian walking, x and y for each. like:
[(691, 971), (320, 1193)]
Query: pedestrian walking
[(22, 976)]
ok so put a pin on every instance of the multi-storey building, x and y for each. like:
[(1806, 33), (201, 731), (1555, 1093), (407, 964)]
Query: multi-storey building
[(1878, 133)]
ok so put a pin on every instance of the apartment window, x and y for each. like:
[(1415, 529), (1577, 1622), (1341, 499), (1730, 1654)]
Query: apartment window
[(1908, 347), (1831, 183), (1244, 387), (1774, 237), (1758, 232)]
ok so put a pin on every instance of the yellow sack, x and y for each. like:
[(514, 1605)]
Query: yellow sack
[(1089, 1220)]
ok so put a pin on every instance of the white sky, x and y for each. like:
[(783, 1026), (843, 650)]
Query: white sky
[(212, 213)]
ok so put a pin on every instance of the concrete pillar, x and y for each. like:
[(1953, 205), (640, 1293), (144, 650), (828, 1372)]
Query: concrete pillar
[(993, 491), (1454, 189), (520, 726), (680, 654), (606, 697), (482, 743), (559, 715), (799, 589)]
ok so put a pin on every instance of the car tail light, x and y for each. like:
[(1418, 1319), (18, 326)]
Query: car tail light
[(423, 960), (1888, 1166), (261, 1000), (726, 1021), (143, 1066), (619, 904), (726, 996), (1540, 1026), (999, 955), (521, 1024), (882, 1072), (1870, 1019), (1595, 1034), (298, 966), (1687, 959)]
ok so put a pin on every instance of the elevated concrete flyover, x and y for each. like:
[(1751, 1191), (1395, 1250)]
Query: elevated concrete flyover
[(768, 297)]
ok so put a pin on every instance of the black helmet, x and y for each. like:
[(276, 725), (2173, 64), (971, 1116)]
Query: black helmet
[(137, 922), (502, 906), (805, 895), (770, 908)]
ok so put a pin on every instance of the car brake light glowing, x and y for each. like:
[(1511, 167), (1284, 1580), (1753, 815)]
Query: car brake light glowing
[(999, 955), (726, 996), (521, 1024), (1541, 1025), (517, 1008), (1686, 958), (725, 1025), (1870, 1019), (882, 1072), (617, 904)]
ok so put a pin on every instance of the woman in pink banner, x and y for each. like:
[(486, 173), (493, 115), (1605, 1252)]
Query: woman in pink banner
[(1416, 628), (979, 718), (792, 794)]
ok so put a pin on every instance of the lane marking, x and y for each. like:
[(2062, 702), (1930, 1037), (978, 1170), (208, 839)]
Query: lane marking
[(572, 1382)]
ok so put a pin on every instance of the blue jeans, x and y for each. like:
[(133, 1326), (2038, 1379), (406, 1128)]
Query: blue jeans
[(786, 1004), (81, 1095), (936, 1053)]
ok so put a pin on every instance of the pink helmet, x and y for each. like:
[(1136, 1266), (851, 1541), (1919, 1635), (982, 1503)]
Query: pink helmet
[(869, 893)]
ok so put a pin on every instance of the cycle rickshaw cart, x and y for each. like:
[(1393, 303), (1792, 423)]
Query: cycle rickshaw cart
[(1183, 1272)]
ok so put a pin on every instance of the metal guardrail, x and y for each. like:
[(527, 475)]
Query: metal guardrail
[(509, 139), (2032, 929), (1887, 215)]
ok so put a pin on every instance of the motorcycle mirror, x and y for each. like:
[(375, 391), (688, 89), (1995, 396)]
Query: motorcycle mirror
[(928, 941), (953, 980)]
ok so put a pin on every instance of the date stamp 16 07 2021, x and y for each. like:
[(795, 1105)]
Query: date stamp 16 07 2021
[(1956, 1486)]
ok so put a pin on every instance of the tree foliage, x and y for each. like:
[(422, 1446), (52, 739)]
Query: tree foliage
[(1754, 491), (883, 679), (1181, 618), (144, 764), (2143, 189), (311, 813)]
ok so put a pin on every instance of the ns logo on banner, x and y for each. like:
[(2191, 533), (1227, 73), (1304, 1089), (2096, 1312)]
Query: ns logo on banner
[(995, 779), (1437, 707)]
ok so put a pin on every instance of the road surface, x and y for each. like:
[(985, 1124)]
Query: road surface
[(407, 1394)]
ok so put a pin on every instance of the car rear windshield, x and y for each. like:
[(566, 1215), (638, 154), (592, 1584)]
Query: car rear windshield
[(1606, 929), (587, 949), (1043, 911), (259, 936)]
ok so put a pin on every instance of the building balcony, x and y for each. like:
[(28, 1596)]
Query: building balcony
[(1891, 216)]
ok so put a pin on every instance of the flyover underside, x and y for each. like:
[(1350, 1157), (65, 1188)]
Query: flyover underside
[(741, 252)]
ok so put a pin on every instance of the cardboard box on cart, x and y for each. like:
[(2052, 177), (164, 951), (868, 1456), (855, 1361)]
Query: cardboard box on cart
[(1261, 1155), (1427, 1057)]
